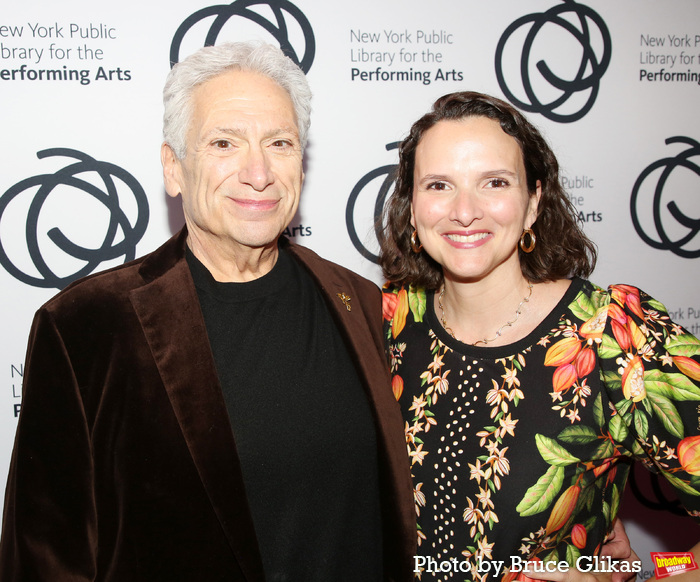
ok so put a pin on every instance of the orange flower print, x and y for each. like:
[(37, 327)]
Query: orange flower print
[(627, 295), (564, 377), (585, 362), (563, 352), (689, 454), (593, 328), (617, 313), (621, 334), (397, 386), (400, 314), (389, 301), (636, 334), (563, 509), (579, 536), (633, 380), (688, 366)]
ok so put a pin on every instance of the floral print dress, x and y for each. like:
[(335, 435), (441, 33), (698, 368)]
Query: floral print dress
[(524, 450)]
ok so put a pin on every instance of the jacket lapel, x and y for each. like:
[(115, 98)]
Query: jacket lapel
[(168, 309), (361, 325)]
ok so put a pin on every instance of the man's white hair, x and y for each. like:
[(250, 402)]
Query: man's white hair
[(211, 61)]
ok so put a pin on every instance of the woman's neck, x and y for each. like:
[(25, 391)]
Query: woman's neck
[(496, 312)]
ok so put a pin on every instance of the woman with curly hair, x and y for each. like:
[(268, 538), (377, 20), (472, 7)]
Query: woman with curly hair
[(527, 391)]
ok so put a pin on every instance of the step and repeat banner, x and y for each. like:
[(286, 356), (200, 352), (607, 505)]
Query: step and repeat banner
[(614, 86)]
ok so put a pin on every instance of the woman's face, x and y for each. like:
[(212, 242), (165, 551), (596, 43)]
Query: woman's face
[(470, 198)]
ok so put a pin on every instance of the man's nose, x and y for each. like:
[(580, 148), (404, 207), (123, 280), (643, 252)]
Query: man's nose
[(256, 171)]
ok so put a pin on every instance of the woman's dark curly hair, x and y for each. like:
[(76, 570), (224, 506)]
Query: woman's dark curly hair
[(562, 249)]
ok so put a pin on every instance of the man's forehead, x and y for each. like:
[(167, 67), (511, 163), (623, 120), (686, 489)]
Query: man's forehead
[(246, 91)]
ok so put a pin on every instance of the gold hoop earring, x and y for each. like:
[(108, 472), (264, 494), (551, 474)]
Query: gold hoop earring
[(533, 241), (416, 246)]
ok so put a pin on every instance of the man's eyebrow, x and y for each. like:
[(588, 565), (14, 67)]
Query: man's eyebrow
[(241, 132)]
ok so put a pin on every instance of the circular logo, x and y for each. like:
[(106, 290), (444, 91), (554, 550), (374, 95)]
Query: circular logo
[(568, 95), (389, 173), (675, 229), (118, 238), (279, 29)]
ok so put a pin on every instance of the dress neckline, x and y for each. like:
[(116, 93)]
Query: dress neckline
[(486, 352)]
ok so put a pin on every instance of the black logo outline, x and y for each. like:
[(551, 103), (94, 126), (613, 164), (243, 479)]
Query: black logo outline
[(224, 12), (568, 87), (668, 164), (93, 257), (390, 171)]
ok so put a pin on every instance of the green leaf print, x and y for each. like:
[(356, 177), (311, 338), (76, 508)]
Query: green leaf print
[(615, 501), (609, 348), (674, 386), (540, 496), (624, 406), (583, 307), (589, 524), (598, 410), (612, 380), (618, 428), (577, 435), (657, 305), (681, 485), (586, 498), (604, 451), (683, 345), (553, 452), (572, 554), (417, 302), (641, 423), (667, 413)]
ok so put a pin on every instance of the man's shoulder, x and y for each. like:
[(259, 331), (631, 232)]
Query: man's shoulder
[(111, 285), (326, 269)]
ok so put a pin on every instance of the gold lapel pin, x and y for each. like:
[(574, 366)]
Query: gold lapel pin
[(346, 300)]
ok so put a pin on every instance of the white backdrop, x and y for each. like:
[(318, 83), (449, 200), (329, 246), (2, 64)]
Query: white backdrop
[(614, 87)]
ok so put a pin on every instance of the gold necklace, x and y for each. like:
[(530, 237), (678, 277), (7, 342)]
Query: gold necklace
[(484, 341)]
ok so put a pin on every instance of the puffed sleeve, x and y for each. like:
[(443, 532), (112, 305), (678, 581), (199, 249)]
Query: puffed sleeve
[(49, 526), (650, 367)]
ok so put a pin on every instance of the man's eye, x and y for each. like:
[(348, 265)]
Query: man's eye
[(222, 144), (497, 183), (281, 143)]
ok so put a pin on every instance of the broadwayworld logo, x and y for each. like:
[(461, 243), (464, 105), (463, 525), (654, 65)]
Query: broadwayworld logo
[(564, 53), (671, 563), (675, 230), (281, 30), (107, 184)]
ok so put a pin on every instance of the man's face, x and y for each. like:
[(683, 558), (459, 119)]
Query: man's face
[(241, 177)]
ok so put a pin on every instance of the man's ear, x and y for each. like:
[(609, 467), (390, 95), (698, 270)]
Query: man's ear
[(172, 171)]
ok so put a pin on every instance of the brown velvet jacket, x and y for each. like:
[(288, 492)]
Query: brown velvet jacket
[(125, 466)]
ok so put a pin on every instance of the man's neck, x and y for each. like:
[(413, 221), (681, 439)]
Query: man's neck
[(234, 265)]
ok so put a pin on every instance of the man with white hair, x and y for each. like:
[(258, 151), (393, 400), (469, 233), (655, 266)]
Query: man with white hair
[(219, 409)]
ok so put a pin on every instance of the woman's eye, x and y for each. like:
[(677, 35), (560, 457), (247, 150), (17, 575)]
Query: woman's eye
[(497, 183), (437, 186)]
